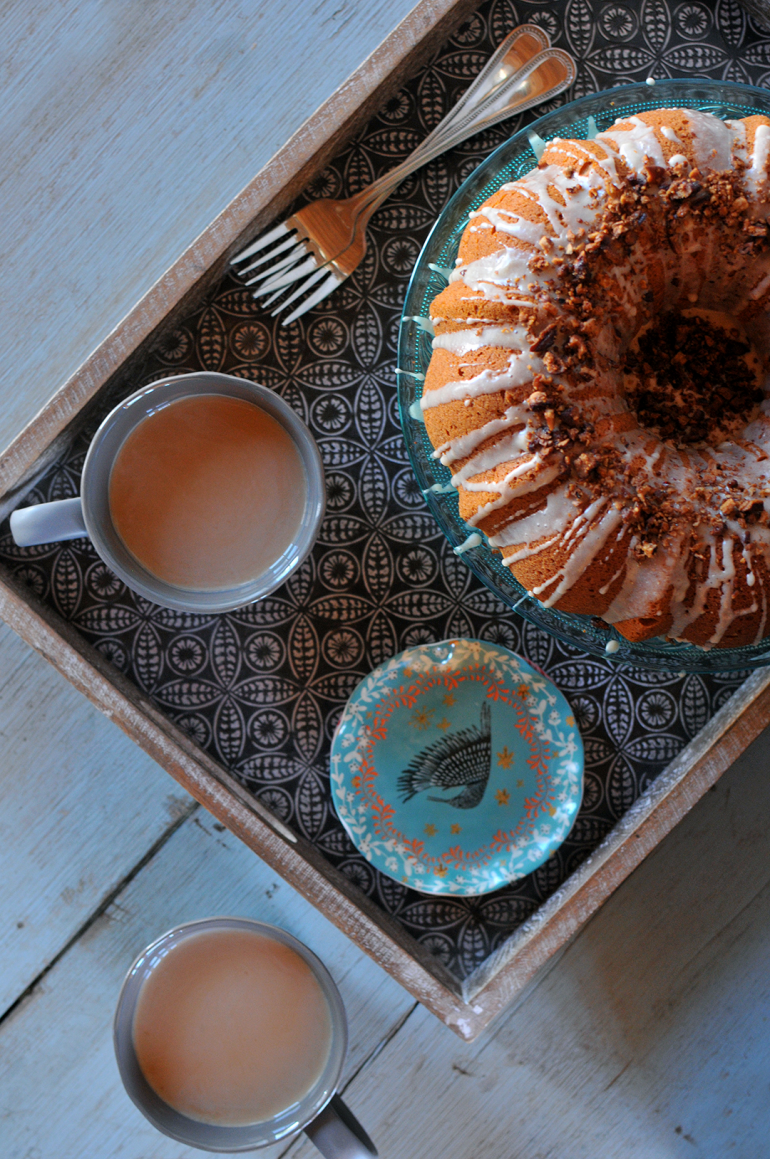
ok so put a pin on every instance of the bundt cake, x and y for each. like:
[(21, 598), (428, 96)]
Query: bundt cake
[(597, 379)]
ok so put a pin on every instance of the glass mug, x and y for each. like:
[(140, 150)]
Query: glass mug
[(90, 513), (320, 1112)]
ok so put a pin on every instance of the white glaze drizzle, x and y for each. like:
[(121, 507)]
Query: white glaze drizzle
[(650, 586), (509, 489), (555, 518), (520, 369), (590, 545), (462, 342), (504, 451), (464, 445), (473, 540), (756, 175), (537, 143), (636, 145)]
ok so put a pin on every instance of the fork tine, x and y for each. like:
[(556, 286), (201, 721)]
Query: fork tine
[(269, 301), (285, 279), (323, 291), (312, 277), (309, 281), (290, 241), (267, 238), (296, 254)]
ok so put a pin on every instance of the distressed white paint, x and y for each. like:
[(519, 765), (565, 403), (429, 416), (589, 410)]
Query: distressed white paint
[(81, 804), (648, 1037), (126, 128), (60, 1093), (653, 1019)]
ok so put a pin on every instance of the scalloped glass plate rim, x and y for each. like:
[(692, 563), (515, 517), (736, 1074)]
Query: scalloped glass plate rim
[(581, 632)]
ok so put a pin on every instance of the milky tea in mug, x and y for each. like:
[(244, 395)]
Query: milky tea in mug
[(230, 1035), (231, 1027), (207, 492), (202, 492)]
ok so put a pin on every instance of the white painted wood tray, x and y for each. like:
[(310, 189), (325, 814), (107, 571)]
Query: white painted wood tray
[(468, 1005)]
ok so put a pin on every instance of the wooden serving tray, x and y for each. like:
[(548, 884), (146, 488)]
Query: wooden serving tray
[(124, 362)]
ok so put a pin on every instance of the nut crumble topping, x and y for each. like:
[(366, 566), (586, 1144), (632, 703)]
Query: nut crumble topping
[(688, 382)]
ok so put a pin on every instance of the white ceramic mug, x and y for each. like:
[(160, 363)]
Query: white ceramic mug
[(89, 514), (321, 1113)]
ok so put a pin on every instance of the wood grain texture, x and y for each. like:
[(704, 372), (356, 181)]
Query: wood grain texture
[(648, 1037), (81, 805), (144, 121), (125, 163), (60, 1092), (669, 798), (210, 784), (467, 1009)]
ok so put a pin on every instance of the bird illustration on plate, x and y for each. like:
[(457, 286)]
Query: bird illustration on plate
[(462, 759)]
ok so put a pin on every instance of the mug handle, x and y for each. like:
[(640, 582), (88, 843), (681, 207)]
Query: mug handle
[(48, 522), (338, 1134)]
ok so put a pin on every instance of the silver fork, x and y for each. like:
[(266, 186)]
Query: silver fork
[(325, 241)]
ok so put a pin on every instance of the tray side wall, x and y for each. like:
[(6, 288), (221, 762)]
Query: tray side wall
[(671, 796), (497, 983), (291, 856)]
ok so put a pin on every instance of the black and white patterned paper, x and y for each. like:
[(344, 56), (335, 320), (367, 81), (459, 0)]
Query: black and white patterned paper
[(261, 689)]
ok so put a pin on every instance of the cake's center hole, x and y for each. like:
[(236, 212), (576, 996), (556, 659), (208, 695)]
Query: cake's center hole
[(693, 378)]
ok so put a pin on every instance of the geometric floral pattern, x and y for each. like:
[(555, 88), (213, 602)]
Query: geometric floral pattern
[(261, 689)]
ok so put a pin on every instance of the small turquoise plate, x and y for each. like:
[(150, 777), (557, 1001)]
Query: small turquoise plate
[(456, 768)]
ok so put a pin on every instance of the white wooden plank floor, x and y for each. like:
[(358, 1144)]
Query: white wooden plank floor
[(648, 1037), (126, 128)]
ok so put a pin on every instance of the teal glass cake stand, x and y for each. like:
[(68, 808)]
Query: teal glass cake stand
[(579, 119)]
